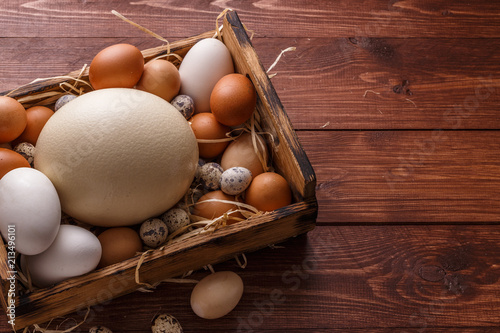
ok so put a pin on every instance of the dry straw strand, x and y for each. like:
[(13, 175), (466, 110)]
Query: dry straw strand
[(155, 35), (149, 32), (241, 264), (217, 28), (138, 267), (44, 330), (288, 49)]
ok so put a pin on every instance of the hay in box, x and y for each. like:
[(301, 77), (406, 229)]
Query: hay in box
[(287, 155)]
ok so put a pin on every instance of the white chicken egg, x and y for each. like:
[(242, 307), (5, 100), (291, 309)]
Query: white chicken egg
[(30, 211), (202, 67), (74, 252)]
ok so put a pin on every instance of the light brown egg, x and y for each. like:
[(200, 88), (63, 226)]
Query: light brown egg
[(117, 66), (268, 191), (205, 126), (37, 117), (217, 294), (160, 77), (241, 153), (118, 244), (233, 99), (214, 209)]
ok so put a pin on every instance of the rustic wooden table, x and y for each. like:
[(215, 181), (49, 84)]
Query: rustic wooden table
[(397, 105)]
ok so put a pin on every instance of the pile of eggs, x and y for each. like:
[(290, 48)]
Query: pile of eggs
[(216, 101)]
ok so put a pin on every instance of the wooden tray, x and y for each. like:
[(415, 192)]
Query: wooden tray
[(288, 158)]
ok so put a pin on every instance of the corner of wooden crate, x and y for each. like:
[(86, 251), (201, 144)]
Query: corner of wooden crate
[(293, 160)]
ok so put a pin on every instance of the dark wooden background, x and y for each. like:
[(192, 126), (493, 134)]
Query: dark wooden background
[(397, 105)]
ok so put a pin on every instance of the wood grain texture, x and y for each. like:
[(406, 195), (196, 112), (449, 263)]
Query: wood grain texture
[(318, 18), (343, 278), (406, 176), (330, 83), (408, 215)]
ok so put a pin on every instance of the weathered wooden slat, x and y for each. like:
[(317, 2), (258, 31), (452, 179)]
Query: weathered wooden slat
[(47, 18), (78, 293), (330, 83), (338, 278), (288, 156), (406, 176)]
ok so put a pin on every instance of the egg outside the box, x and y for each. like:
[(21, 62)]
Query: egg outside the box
[(165, 323), (100, 329), (216, 294)]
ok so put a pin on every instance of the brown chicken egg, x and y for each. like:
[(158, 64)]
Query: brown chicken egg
[(268, 191), (37, 117), (214, 209), (117, 66), (118, 244), (241, 153), (233, 99), (160, 77), (12, 119), (205, 126), (10, 160)]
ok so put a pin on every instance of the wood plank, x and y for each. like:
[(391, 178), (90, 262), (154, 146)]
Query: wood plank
[(390, 83), (338, 278), (343, 83), (49, 18), (405, 176)]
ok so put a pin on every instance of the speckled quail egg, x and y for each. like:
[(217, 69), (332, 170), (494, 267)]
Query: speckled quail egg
[(210, 174), (175, 218), (100, 329), (235, 180), (184, 104), (63, 100), (153, 232), (201, 162), (27, 150), (165, 323)]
